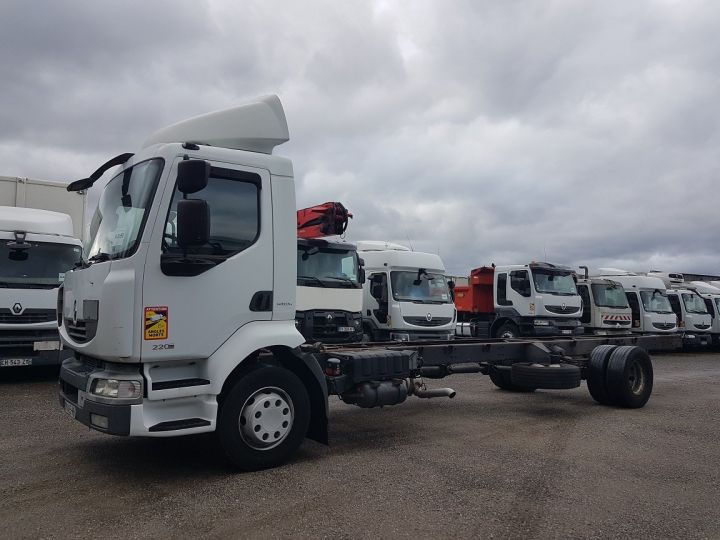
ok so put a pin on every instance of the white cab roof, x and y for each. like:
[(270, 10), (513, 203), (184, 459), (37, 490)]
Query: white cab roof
[(703, 287), (34, 221), (631, 281), (258, 126), (375, 245)]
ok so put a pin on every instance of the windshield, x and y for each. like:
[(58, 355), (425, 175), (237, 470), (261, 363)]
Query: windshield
[(609, 295), (327, 267), (432, 288), (656, 301), (694, 303), (36, 264), (122, 210), (554, 282)]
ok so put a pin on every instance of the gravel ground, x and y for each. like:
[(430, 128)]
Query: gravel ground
[(485, 464)]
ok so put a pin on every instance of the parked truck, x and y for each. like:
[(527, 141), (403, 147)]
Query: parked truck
[(605, 308), (406, 296), (182, 315), (53, 196), (693, 319), (37, 248), (329, 291), (647, 297), (711, 295), (536, 299)]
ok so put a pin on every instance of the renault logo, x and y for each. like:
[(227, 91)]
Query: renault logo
[(329, 317), (563, 306), (17, 308), (428, 317)]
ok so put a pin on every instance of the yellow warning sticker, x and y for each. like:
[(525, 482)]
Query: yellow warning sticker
[(156, 322)]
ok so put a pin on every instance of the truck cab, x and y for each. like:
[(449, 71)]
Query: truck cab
[(711, 295), (605, 308), (37, 248), (329, 291), (536, 299), (694, 320), (650, 308), (406, 296)]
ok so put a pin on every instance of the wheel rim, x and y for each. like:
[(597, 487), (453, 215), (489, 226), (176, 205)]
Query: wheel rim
[(266, 418), (507, 334), (636, 378)]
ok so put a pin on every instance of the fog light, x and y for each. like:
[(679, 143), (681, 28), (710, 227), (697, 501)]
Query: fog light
[(99, 420), (400, 337), (114, 388)]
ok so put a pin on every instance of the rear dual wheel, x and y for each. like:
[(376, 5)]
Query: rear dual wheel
[(620, 376)]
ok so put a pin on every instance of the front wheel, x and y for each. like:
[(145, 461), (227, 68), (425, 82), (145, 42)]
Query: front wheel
[(263, 419), (507, 331), (629, 377)]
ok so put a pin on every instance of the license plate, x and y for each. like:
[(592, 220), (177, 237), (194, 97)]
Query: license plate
[(567, 331), (15, 362), (46, 346), (346, 329), (70, 409)]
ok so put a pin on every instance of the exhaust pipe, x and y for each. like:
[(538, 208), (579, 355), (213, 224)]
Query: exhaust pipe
[(586, 270), (420, 390)]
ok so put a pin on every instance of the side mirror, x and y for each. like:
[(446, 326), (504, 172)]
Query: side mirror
[(192, 176), (451, 284), (361, 276), (376, 279), (193, 223)]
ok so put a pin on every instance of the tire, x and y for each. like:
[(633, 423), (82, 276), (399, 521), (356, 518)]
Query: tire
[(597, 373), (507, 331), (252, 441), (552, 377), (502, 380), (629, 377)]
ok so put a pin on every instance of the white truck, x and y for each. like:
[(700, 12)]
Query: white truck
[(53, 196), (510, 301), (37, 248), (329, 291), (605, 308), (693, 319), (647, 296), (406, 295), (711, 295), (182, 316)]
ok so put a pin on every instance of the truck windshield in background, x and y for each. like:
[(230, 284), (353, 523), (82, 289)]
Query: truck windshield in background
[(609, 295), (327, 267), (694, 303), (554, 282), (36, 264), (655, 301), (122, 210), (432, 289)]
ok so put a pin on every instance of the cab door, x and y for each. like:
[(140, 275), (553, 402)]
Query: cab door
[(194, 301)]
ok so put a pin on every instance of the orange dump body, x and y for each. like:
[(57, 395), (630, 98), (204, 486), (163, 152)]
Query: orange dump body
[(327, 219), (477, 296)]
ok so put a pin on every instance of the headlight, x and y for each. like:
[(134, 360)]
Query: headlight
[(119, 389), (541, 322), (400, 337)]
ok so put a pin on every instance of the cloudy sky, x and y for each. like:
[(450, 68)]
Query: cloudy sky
[(504, 131)]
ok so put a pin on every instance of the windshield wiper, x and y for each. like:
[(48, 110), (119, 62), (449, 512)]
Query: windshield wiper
[(314, 278), (99, 257), (340, 278)]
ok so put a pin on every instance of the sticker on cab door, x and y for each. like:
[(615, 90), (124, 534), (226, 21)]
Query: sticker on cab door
[(156, 322)]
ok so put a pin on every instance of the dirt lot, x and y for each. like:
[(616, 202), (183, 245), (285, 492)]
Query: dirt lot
[(485, 464)]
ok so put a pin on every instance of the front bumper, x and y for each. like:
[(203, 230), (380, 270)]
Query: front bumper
[(696, 339), (20, 348), (555, 327), (165, 416), (421, 335)]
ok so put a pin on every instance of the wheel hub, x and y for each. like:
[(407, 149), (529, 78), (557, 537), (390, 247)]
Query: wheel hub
[(636, 378), (266, 418)]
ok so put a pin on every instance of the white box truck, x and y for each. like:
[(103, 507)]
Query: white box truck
[(53, 196), (37, 247)]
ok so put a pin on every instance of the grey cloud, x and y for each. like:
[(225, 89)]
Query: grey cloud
[(490, 132)]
